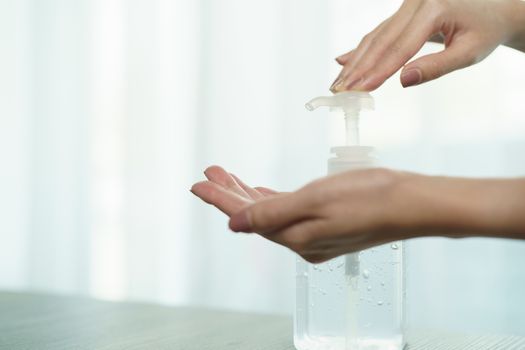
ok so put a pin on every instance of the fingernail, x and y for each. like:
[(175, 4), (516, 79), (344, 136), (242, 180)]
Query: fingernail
[(411, 77), (194, 190), (336, 83), (339, 87), (197, 188), (241, 222)]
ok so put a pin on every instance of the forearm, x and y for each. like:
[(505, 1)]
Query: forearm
[(459, 207), (515, 19)]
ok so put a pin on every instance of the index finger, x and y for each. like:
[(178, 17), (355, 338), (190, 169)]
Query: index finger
[(405, 47)]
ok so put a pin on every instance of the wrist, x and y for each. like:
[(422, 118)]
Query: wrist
[(515, 19), (441, 206), (459, 207)]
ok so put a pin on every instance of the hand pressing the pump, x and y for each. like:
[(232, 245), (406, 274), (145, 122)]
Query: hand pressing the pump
[(355, 210), (470, 30)]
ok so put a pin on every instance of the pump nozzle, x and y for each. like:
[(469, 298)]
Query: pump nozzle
[(351, 103), (327, 101)]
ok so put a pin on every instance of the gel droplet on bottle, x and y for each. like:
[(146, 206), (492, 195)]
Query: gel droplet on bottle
[(394, 246), (366, 273)]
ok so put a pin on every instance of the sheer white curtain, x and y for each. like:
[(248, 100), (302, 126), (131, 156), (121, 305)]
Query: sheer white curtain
[(110, 110)]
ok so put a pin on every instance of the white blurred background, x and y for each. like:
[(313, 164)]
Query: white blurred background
[(111, 109)]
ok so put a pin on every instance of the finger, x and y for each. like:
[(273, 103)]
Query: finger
[(372, 46), (306, 238), (435, 65), (320, 235), (302, 236), (226, 201), (399, 52), (438, 38), (355, 54), (218, 175), (253, 193), (266, 191), (272, 213), (343, 59), (316, 258), (320, 256)]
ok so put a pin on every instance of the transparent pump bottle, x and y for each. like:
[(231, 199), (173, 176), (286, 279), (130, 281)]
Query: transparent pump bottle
[(355, 301)]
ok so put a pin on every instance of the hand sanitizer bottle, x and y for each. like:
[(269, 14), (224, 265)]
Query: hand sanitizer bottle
[(355, 301)]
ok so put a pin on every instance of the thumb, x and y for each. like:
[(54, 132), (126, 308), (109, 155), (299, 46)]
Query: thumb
[(435, 65), (270, 214)]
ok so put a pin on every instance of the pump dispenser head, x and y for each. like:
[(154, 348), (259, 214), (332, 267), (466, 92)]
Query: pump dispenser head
[(351, 103)]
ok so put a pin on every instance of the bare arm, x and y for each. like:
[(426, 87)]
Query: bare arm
[(516, 15), (458, 207)]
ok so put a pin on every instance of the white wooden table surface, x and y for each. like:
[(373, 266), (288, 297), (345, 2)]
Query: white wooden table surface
[(33, 321)]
